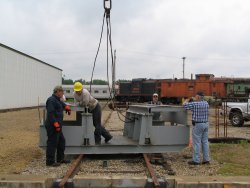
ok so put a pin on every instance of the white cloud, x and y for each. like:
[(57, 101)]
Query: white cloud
[(151, 37)]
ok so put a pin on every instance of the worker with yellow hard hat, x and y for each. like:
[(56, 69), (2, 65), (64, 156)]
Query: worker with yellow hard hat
[(78, 86), (83, 98)]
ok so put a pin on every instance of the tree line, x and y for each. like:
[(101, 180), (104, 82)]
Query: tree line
[(84, 82)]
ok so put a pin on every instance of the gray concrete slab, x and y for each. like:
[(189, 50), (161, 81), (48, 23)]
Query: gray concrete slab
[(109, 181), (32, 181), (29, 181), (212, 182)]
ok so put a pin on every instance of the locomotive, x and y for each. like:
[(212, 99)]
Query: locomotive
[(172, 91)]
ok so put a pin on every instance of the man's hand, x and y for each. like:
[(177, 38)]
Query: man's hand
[(186, 101), (57, 126), (68, 110)]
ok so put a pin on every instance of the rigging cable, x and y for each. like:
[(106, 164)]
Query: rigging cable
[(97, 52), (107, 6)]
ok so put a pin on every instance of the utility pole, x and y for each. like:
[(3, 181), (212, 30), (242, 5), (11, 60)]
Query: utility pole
[(183, 65)]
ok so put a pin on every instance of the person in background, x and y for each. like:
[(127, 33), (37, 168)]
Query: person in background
[(83, 98), (199, 108), (155, 101), (53, 124)]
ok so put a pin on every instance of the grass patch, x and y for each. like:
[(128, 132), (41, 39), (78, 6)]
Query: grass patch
[(234, 157)]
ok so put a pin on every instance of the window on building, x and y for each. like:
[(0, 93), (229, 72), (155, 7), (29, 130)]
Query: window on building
[(104, 91), (96, 91)]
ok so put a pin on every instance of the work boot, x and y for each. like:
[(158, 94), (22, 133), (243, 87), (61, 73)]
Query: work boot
[(65, 161), (206, 163), (193, 163), (53, 164), (108, 139), (98, 141)]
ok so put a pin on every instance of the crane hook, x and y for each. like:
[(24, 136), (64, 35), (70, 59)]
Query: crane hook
[(107, 4)]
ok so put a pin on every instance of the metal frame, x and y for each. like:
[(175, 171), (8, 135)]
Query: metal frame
[(141, 134)]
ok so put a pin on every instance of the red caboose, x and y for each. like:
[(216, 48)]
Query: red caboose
[(172, 91)]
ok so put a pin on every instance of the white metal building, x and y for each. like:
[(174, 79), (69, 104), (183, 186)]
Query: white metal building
[(24, 80)]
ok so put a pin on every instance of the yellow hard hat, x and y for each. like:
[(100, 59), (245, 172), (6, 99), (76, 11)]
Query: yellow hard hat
[(78, 86)]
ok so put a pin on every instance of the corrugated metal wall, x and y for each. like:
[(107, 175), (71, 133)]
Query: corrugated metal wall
[(25, 80)]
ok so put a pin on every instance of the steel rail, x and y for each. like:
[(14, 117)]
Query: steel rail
[(151, 171), (71, 171)]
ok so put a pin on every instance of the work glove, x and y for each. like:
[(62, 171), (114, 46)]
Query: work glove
[(68, 110), (57, 126)]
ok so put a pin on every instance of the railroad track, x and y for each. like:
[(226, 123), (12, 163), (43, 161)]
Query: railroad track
[(146, 159)]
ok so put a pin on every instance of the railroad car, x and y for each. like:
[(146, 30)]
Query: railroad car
[(97, 91), (173, 91), (238, 88), (137, 90)]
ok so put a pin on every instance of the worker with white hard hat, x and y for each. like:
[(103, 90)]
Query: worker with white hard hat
[(155, 101)]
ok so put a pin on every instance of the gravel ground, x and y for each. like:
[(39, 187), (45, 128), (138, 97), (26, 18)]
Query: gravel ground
[(19, 130)]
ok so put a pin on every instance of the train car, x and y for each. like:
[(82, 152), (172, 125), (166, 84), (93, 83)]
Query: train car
[(137, 90), (173, 91), (239, 87), (97, 91)]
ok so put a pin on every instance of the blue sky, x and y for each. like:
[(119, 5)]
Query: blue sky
[(150, 37)]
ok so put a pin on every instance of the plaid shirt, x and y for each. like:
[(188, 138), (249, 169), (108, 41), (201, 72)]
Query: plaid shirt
[(199, 109)]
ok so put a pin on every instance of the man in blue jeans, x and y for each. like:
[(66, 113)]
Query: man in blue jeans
[(199, 108)]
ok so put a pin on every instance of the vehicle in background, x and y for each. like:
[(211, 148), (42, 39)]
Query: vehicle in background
[(238, 112)]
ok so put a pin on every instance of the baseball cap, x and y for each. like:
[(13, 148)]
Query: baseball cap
[(200, 93), (155, 94)]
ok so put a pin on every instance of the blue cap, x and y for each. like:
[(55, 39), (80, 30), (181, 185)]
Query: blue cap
[(200, 93)]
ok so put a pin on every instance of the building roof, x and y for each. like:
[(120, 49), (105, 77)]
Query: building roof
[(12, 49)]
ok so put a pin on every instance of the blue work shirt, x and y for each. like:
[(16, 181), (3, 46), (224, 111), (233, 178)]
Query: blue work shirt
[(55, 107), (199, 110)]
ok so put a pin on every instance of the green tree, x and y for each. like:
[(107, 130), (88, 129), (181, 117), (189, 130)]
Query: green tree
[(81, 80), (99, 82), (67, 81), (122, 80)]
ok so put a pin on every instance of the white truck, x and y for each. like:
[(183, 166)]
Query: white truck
[(238, 112)]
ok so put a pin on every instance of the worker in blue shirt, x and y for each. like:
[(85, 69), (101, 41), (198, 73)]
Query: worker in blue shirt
[(53, 124), (199, 108)]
